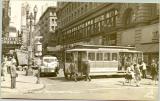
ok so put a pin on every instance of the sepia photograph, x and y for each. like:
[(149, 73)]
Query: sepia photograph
[(74, 50)]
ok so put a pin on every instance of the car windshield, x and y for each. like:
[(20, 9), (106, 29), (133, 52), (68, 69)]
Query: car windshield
[(49, 60)]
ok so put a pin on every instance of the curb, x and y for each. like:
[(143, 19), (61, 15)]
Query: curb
[(38, 89)]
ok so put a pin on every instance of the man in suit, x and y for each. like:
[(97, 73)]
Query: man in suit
[(13, 75), (86, 70)]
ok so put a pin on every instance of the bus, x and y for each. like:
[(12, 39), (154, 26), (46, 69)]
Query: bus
[(102, 59)]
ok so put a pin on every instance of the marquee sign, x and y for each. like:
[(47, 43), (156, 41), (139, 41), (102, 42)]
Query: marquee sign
[(11, 40)]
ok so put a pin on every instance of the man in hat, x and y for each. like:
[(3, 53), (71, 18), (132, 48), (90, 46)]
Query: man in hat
[(8, 64), (13, 74), (86, 70)]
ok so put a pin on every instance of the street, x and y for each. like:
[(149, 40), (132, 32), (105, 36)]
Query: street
[(100, 88)]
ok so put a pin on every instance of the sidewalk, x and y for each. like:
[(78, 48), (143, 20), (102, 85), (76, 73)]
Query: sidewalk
[(24, 84)]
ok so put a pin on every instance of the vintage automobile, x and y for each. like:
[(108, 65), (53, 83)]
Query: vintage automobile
[(50, 66)]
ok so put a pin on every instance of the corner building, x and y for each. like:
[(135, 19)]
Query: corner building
[(47, 25), (123, 24)]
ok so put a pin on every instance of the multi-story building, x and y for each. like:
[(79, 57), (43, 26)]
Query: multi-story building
[(5, 17), (23, 24), (36, 37), (47, 23), (122, 24), (11, 38), (12, 41)]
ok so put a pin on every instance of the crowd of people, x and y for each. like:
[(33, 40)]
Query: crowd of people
[(10, 67), (136, 72)]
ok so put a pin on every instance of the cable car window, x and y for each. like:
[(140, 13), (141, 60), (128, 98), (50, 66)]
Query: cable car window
[(69, 57), (91, 56), (114, 56), (99, 57), (106, 56)]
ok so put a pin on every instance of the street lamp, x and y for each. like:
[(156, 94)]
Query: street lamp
[(30, 17)]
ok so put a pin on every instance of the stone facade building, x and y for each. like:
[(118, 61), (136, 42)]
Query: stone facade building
[(124, 24), (47, 24)]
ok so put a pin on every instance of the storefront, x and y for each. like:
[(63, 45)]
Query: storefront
[(10, 43)]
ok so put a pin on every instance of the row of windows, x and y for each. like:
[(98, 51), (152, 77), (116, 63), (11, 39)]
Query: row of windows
[(102, 56), (92, 26), (54, 20), (82, 6), (76, 11)]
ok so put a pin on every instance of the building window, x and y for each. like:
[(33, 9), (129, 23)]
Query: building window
[(110, 18), (53, 28), (86, 7), (110, 39), (82, 10), (155, 37), (157, 9), (72, 16), (53, 20), (75, 14), (129, 16)]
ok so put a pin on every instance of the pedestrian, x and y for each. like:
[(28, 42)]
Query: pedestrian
[(61, 64), (8, 64), (137, 74), (13, 75), (129, 75), (73, 70), (2, 72), (4, 69), (38, 64), (143, 65), (86, 69), (13, 60), (154, 72), (37, 74)]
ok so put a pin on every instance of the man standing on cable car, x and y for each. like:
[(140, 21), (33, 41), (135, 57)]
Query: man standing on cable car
[(86, 70)]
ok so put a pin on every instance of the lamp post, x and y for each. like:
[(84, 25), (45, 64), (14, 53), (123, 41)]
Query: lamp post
[(30, 21)]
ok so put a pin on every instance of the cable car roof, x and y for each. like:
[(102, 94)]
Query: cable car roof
[(103, 46), (103, 50)]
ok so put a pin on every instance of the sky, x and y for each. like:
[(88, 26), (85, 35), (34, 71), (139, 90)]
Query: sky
[(16, 9)]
